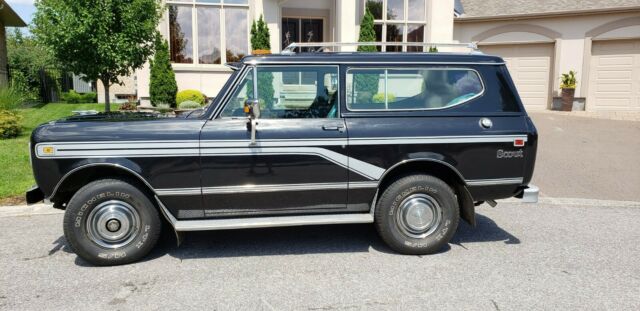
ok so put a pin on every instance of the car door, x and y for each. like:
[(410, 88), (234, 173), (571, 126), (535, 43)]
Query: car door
[(297, 163)]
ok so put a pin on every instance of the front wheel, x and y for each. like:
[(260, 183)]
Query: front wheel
[(111, 222), (417, 215)]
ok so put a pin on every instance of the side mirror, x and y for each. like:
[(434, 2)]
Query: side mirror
[(252, 111), (252, 108)]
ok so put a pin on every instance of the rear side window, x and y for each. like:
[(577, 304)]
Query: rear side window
[(411, 89)]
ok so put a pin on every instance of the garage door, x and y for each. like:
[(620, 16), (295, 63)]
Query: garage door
[(614, 77), (530, 67)]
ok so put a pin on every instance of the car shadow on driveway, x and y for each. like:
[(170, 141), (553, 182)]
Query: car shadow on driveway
[(305, 240), (310, 240)]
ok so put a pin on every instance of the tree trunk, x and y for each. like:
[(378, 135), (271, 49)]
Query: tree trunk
[(107, 106)]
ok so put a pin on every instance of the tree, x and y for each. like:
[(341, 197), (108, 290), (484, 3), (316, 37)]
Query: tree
[(367, 32), (366, 85), (261, 40), (163, 86), (103, 40), (27, 59)]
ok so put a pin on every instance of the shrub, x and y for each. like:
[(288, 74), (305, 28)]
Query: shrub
[(379, 98), (90, 97), (163, 86), (11, 98), (164, 108), (9, 124), (190, 95), (128, 106), (189, 105), (73, 97)]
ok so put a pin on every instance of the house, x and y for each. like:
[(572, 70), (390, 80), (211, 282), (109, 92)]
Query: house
[(8, 18), (203, 35), (540, 39)]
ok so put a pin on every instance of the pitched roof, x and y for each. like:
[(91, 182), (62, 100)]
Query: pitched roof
[(8, 17), (490, 8)]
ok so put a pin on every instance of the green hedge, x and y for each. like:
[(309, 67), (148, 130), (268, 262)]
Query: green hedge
[(73, 97), (190, 95), (10, 126)]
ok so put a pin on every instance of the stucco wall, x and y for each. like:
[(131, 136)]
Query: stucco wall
[(342, 25), (572, 36)]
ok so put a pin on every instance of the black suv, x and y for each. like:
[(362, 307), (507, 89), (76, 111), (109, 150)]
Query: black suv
[(410, 142)]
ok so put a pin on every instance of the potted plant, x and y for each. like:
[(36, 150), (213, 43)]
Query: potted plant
[(260, 38), (568, 85)]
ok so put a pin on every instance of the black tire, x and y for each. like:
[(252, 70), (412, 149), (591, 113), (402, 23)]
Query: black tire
[(100, 201), (417, 197)]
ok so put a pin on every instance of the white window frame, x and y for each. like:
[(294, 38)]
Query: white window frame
[(403, 23), (194, 4)]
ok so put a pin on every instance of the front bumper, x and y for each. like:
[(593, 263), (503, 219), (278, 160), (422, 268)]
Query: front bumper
[(34, 195)]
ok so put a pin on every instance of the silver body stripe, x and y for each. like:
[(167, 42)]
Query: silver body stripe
[(265, 147), (363, 168), (180, 148)]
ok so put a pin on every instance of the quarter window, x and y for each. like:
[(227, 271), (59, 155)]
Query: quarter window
[(208, 31), (410, 89), (316, 97)]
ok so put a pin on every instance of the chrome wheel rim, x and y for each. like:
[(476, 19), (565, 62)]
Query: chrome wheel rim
[(418, 215), (113, 224)]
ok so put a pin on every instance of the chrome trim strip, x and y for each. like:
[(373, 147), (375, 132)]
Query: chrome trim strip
[(363, 184), (293, 62), (267, 188), (274, 188), (494, 182), (269, 222), (179, 191)]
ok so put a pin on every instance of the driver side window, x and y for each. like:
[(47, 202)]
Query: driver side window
[(318, 97)]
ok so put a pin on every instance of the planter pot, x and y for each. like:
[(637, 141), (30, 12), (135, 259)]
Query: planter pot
[(567, 99), (260, 52)]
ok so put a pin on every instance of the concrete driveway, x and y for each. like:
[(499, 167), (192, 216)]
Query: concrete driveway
[(561, 254), (582, 157)]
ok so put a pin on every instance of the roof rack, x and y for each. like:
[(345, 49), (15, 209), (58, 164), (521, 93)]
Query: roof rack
[(321, 46)]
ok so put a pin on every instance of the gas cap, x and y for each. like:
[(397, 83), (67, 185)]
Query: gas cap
[(486, 123)]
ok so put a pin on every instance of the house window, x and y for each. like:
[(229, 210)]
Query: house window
[(399, 21), (208, 32)]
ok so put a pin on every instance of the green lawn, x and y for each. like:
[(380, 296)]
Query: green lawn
[(15, 170)]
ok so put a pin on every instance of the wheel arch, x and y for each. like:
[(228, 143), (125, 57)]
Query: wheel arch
[(73, 180), (437, 168)]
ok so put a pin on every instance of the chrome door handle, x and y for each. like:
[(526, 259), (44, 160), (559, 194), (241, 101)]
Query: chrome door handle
[(333, 127)]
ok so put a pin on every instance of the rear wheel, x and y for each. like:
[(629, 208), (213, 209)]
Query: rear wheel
[(111, 222), (417, 215)]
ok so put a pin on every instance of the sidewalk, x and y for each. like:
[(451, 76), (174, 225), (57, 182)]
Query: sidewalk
[(606, 115)]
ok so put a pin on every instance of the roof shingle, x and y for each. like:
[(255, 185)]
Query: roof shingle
[(487, 8)]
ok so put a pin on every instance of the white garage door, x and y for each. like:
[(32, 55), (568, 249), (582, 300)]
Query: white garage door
[(614, 77), (530, 67)]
